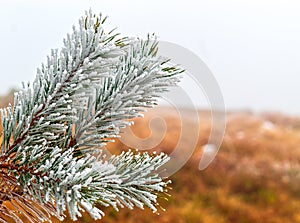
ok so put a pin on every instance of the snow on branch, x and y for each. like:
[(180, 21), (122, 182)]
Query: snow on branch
[(51, 161)]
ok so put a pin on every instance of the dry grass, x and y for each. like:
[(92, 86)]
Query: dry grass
[(254, 178)]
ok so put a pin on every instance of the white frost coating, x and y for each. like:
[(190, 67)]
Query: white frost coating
[(94, 212), (81, 98)]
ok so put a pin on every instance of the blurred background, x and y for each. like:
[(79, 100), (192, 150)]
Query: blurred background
[(251, 47)]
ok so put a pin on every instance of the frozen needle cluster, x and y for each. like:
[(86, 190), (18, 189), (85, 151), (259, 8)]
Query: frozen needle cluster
[(51, 157)]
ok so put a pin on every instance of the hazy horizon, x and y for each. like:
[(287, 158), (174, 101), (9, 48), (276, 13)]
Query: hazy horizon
[(251, 47)]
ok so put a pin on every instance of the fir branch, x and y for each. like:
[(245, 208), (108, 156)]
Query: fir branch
[(138, 80), (140, 181), (15, 206), (61, 84), (51, 157)]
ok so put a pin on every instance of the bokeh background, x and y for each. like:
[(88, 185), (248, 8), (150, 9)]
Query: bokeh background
[(252, 49), (251, 46)]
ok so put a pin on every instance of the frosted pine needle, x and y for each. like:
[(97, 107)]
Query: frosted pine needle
[(51, 161)]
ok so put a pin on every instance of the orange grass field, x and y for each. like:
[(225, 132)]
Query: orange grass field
[(254, 178)]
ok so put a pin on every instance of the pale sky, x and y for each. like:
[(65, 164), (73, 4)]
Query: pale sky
[(252, 47)]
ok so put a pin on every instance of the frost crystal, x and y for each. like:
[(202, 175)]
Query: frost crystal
[(50, 160)]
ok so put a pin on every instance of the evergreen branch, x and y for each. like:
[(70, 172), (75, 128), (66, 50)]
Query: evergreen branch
[(139, 80), (79, 100), (15, 206), (60, 85), (140, 181)]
